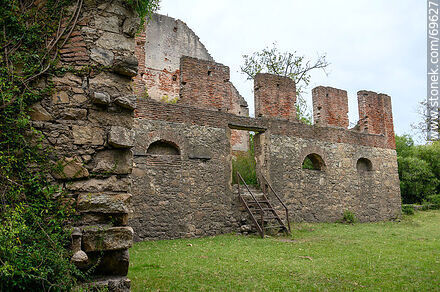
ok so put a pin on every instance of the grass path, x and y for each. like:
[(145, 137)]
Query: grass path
[(391, 256)]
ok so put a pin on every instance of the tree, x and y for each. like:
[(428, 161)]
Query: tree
[(429, 121), (287, 64)]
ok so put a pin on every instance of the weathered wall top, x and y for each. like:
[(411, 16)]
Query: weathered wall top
[(168, 40)]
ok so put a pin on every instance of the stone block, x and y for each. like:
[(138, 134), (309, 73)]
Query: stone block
[(113, 161), (69, 168), (121, 137), (102, 56), (102, 98), (74, 114), (126, 65), (128, 101), (131, 25), (38, 113), (114, 41), (107, 23), (103, 202), (104, 118), (112, 238), (87, 135), (112, 184), (60, 97)]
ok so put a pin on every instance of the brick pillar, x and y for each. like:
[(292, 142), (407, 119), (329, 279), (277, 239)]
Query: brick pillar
[(330, 107), (204, 84), (376, 115), (275, 97)]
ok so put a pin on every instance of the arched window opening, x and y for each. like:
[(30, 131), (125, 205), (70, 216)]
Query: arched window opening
[(163, 147), (314, 162), (363, 165)]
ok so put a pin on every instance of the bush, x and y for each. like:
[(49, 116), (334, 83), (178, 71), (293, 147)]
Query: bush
[(349, 217), (417, 181), (408, 209), (432, 202), (245, 164)]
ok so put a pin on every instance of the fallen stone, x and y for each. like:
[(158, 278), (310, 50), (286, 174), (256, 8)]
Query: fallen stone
[(121, 137), (113, 161), (38, 113), (87, 135), (102, 98), (102, 56), (69, 168), (103, 202), (126, 65), (111, 238), (112, 184), (128, 101)]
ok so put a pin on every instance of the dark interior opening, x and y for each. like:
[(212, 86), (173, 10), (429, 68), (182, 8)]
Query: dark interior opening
[(163, 147)]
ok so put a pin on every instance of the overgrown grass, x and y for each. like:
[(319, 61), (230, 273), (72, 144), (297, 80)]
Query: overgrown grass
[(389, 256)]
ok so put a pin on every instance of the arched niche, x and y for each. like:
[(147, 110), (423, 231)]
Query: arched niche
[(364, 165), (163, 147)]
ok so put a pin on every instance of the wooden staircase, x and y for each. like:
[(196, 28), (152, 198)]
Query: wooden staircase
[(260, 209)]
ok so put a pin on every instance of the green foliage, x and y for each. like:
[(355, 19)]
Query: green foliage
[(349, 217), (408, 209), (432, 202), (245, 164), (144, 8), (419, 169), (288, 64), (404, 145), (308, 164), (416, 179)]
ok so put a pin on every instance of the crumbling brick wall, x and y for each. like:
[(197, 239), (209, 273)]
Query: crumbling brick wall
[(275, 97), (330, 107), (88, 122)]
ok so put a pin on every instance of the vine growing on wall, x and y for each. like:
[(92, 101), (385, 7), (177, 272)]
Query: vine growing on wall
[(34, 214)]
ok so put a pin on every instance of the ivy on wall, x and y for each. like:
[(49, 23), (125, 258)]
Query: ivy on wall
[(34, 214)]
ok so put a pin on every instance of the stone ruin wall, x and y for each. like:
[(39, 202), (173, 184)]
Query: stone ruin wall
[(88, 122), (190, 194), (166, 40), (101, 133)]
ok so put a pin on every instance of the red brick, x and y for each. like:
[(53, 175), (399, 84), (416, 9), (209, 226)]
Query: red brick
[(330, 107), (275, 96)]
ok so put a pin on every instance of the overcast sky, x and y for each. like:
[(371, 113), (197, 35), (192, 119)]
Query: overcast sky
[(377, 45)]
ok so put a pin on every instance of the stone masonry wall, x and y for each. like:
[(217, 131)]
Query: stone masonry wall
[(88, 121), (322, 196), (182, 195), (281, 147)]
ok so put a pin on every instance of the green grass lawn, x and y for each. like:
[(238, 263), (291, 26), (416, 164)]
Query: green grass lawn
[(371, 256)]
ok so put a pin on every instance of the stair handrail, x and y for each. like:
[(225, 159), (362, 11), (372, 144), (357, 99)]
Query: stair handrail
[(279, 199), (260, 228)]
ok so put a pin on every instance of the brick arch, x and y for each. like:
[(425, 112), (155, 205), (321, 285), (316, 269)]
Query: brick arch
[(171, 138)]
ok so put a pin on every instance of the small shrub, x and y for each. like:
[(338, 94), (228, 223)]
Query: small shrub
[(432, 202), (408, 209), (349, 217)]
